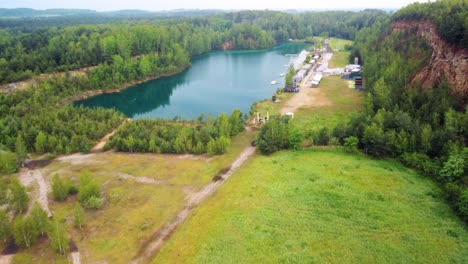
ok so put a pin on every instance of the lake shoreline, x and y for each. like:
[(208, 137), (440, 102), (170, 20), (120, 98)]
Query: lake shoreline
[(92, 93), (217, 82)]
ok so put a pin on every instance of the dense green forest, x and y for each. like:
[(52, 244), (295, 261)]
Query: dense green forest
[(26, 52), (199, 136)]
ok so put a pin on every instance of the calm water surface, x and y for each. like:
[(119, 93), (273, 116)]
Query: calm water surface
[(217, 82)]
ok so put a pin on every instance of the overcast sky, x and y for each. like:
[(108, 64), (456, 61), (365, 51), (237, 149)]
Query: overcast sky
[(154, 5)]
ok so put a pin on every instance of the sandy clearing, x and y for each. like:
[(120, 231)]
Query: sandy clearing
[(6, 259), (139, 179), (75, 256), (158, 239), (27, 177), (80, 159), (100, 145)]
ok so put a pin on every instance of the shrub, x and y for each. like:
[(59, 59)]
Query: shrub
[(463, 203), (19, 198), (453, 168), (8, 163), (296, 137), (420, 162), (89, 191), (351, 143), (79, 218), (59, 188), (274, 135), (93, 202), (25, 231), (323, 137)]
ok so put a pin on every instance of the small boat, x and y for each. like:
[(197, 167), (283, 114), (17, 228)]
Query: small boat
[(286, 65), (273, 82), (281, 74)]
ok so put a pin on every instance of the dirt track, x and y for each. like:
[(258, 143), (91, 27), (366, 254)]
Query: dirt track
[(308, 96), (27, 177), (152, 246)]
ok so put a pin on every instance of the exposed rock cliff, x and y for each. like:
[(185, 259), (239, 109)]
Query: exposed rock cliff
[(447, 61)]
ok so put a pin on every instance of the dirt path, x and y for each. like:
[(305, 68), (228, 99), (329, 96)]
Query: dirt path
[(308, 96), (100, 145), (6, 259), (151, 247), (139, 179), (27, 177), (75, 257)]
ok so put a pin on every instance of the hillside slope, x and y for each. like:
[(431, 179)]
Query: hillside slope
[(447, 60), (317, 206)]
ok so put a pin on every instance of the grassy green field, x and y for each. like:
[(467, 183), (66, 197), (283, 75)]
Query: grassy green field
[(338, 44), (321, 206), (338, 103), (340, 56), (339, 60)]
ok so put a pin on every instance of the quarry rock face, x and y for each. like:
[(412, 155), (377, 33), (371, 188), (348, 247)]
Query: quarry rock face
[(447, 60)]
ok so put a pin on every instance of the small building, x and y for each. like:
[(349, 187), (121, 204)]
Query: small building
[(312, 62), (351, 67), (316, 80), (297, 79), (307, 67)]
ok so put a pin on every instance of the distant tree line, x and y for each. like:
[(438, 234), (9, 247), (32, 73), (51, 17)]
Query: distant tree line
[(45, 50), (200, 136)]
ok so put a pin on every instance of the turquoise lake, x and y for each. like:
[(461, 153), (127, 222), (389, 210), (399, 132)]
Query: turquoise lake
[(216, 82)]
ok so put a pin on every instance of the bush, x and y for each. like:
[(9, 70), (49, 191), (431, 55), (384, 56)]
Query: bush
[(350, 144), (19, 199), (93, 202), (274, 135), (296, 137), (59, 188), (8, 163), (453, 168), (463, 203), (420, 162), (218, 146), (89, 191), (323, 137)]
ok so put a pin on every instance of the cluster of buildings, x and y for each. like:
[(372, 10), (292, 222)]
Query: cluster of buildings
[(305, 70)]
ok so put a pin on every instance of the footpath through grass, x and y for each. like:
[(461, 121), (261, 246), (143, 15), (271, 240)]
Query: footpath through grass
[(319, 206)]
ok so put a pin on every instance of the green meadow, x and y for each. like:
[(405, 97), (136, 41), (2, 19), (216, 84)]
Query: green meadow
[(321, 206)]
